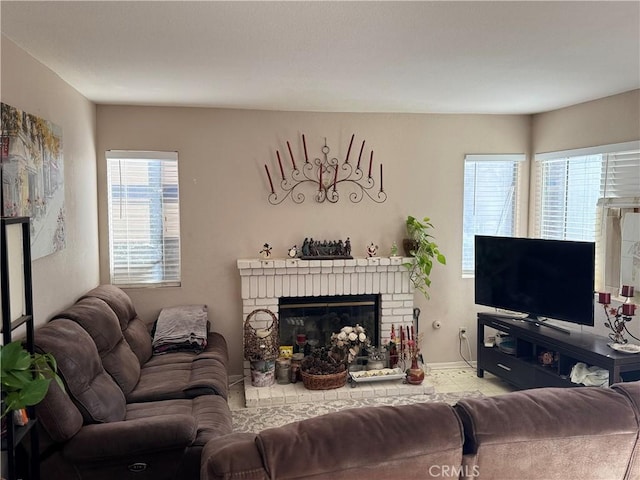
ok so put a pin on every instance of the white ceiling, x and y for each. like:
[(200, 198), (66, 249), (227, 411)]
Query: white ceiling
[(425, 56)]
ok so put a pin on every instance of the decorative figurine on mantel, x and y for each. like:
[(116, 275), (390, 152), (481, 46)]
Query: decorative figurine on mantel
[(293, 252), (325, 250), (394, 250), (265, 252), (372, 250)]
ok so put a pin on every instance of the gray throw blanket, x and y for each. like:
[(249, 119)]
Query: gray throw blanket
[(181, 328)]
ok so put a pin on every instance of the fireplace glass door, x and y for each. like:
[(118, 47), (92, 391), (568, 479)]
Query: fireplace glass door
[(308, 322)]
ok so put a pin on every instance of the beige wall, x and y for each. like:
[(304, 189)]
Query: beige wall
[(225, 214), (58, 279), (609, 120)]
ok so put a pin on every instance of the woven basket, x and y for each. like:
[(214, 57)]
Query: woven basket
[(258, 347), (324, 382)]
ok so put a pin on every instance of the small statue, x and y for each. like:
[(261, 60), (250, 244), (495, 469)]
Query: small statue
[(306, 249), (347, 247), (372, 250), (293, 251), (266, 251), (394, 249)]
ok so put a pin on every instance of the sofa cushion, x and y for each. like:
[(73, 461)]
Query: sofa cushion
[(92, 389), (133, 329), (380, 441), (211, 413), (631, 390), (170, 380), (371, 442), (99, 320), (550, 433), (58, 416)]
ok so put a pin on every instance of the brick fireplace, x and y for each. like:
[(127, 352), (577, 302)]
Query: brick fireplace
[(264, 282)]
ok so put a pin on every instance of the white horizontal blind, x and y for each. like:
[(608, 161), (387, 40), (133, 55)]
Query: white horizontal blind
[(620, 193), (567, 195), (576, 191), (490, 200), (144, 218), (620, 184)]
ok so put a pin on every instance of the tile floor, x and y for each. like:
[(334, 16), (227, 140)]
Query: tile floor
[(444, 380)]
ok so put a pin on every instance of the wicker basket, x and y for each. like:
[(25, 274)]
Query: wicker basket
[(261, 344), (324, 382)]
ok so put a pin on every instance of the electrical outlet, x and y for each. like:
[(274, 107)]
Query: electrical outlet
[(462, 333)]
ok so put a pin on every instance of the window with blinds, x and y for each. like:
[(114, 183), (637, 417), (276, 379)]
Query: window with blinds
[(620, 182), (569, 192), (144, 218), (490, 200), (584, 195)]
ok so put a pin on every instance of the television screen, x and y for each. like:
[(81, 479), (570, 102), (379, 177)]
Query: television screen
[(543, 278)]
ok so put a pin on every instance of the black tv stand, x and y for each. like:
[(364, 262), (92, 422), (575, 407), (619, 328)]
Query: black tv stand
[(539, 322), (524, 366)]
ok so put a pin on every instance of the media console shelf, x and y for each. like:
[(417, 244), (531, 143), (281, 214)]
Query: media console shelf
[(524, 370)]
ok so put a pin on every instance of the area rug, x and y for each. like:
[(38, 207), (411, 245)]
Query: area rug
[(254, 420)]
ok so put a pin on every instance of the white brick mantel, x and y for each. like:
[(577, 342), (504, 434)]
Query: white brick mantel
[(265, 281)]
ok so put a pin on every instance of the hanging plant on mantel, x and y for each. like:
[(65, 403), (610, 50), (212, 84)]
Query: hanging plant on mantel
[(326, 177)]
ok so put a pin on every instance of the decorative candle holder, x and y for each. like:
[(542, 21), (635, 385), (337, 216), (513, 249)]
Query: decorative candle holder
[(324, 176), (617, 318)]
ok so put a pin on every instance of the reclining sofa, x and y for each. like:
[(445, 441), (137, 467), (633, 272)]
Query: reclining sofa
[(544, 434), (126, 413)]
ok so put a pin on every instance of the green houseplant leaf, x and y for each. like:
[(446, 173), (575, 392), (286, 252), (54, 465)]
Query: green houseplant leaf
[(25, 377), (423, 253)]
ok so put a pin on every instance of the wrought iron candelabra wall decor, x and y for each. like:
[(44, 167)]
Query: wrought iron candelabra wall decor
[(326, 175)]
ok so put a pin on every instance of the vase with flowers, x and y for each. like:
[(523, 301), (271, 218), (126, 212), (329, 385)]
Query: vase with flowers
[(410, 353), (327, 367), (347, 344)]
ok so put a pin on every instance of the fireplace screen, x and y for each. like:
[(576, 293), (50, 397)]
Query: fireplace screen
[(310, 321)]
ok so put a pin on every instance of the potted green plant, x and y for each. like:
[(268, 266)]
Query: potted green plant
[(24, 376), (423, 250)]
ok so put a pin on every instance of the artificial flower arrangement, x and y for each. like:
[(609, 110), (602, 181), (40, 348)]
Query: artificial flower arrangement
[(412, 346), (349, 340), (407, 342)]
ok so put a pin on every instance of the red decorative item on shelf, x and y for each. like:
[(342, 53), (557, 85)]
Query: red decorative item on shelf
[(628, 309), (604, 298), (415, 375), (627, 291)]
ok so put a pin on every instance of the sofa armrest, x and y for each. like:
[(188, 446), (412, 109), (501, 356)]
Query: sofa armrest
[(232, 456), (589, 432), (106, 441)]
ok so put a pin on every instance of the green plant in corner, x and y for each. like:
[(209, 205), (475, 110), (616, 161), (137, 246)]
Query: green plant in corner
[(24, 376), (423, 250)]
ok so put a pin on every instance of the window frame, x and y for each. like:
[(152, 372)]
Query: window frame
[(167, 196), (516, 160), (606, 238)]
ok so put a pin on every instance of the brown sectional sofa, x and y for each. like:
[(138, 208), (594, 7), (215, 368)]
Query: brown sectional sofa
[(543, 434), (126, 413)]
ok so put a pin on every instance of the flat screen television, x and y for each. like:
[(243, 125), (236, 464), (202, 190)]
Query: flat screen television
[(545, 279)]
